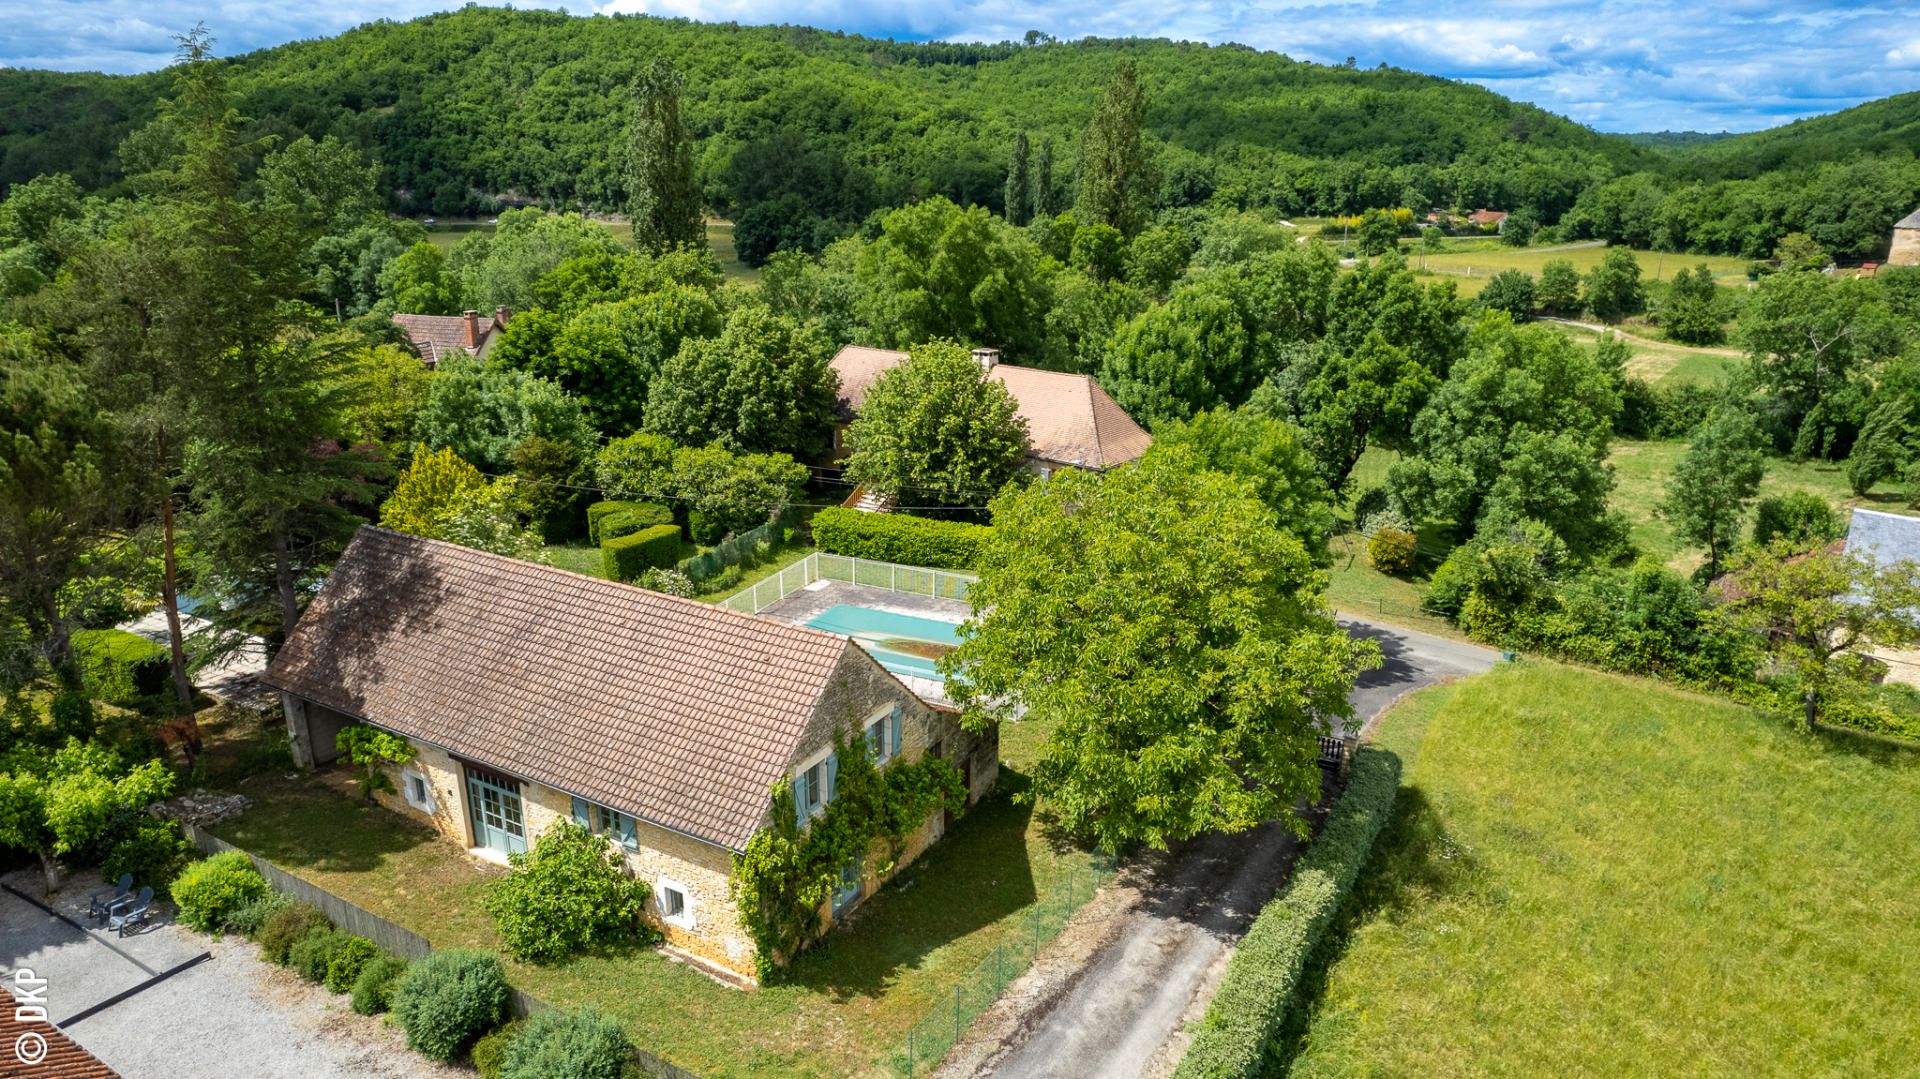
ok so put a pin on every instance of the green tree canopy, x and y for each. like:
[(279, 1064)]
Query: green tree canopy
[(939, 271), (663, 196), (762, 385), (482, 411), (1715, 482), (1170, 637), (1521, 427), (1813, 341), (1613, 289), (934, 428), (1116, 171), (1268, 454)]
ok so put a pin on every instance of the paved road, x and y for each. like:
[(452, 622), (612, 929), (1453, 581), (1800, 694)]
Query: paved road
[(1122, 1017)]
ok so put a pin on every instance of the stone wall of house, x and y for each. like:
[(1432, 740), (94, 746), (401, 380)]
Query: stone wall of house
[(860, 686), (1906, 248), (447, 784)]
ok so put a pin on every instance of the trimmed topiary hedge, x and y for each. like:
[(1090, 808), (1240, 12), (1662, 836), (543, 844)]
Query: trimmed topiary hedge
[(893, 537), (605, 520), (625, 558), (1260, 983)]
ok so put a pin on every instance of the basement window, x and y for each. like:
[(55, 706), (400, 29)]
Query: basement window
[(418, 793), (675, 908)]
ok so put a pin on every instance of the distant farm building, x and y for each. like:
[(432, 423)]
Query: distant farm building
[(1906, 241)]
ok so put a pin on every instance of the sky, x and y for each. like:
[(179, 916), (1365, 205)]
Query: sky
[(1616, 65)]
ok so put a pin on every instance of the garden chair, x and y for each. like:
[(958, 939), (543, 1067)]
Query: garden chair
[(130, 912), (100, 902)]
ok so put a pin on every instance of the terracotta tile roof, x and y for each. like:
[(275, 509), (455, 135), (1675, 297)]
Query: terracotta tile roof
[(437, 337), (64, 1058), (1070, 419), (1487, 217), (678, 712)]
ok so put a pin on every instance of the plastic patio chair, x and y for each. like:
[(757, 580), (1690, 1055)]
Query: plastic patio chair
[(99, 903), (130, 912)]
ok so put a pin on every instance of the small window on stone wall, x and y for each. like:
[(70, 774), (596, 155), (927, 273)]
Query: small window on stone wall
[(418, 793), (675, 908)]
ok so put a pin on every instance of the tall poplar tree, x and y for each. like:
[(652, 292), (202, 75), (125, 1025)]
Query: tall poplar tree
[(1116, 173), (663, 199), (1019, 180), (1040, 191)]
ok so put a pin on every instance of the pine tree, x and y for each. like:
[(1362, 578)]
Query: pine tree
[(663, 199), (1115, 174), (1040, 191), (1018, 182)]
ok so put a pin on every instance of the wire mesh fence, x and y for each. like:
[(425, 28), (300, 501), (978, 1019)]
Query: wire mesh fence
[(821, 566), (730, 551), (929, 1040)]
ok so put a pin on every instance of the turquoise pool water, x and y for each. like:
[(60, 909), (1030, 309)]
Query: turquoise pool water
[(903, 643)]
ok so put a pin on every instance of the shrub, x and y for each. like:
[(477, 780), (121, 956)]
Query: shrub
[(1369, 502), (636, 517), (1800, 516), (447, 1000), (373, 989), (570, 891), (310, 955), (121, 667), (567, 1045), (1265, 973), (154, 851), (894, 537), (670, 581), (625, 558), (285, 927), (1391, 550), (598, 512), (705, 529), (208, 891), (490, 1052), (728, 578), (347, 961), (248, 919)]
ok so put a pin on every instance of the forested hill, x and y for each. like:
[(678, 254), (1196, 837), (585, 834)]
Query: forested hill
[(1890, 125), (534, 103)]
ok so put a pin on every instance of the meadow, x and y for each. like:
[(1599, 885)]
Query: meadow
[(1589, 874)]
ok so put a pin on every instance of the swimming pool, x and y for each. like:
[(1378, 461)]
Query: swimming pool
[(903, 643)]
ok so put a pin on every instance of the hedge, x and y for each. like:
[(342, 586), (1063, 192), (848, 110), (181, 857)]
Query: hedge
[(647, 514), (208, 891), (637, 517), (625, 558), (894, 537), (1261, 982)]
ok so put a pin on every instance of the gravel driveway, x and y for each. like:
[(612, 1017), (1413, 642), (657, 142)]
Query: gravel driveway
[(231, 1017), (1122, 1015)]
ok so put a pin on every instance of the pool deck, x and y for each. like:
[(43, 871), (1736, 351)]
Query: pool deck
[(810, 602)]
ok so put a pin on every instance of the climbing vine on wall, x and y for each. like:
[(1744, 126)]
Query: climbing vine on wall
[(786, 874)]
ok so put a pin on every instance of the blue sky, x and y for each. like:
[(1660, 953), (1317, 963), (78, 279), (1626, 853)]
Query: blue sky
[(1618, 65)]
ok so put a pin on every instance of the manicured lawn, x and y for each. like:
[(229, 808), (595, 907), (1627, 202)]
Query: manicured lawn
[(851, 999), (1595, 875), (444, 234), (720, 238)]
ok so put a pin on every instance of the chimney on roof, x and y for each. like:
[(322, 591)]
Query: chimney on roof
[(473, 328), (500, 317), (987, 358)]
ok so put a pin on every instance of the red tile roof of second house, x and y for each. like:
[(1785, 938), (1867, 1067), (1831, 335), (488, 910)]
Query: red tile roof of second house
[(1487, 217), (437, 337), (63, 1057), (678, 712), (1070, 418)]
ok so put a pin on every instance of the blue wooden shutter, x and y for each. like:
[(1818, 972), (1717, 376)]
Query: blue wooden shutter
[(833, 770), (893, 745), (629, 834), (800, 797), (580, 813)]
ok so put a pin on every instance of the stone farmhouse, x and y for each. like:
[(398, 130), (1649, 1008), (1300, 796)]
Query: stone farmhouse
[(439, 337), (533, 694), (1071, 422), (1905, 249)]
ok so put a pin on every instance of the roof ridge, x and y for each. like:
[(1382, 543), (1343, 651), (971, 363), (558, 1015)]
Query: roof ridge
[(651, 595)]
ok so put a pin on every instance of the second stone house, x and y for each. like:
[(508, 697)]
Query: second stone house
[(533, 694)]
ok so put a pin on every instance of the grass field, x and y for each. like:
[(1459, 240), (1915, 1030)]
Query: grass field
[(1661, 363), (1471, 269), (444, 234), (850, 1000), (1590, 875)]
